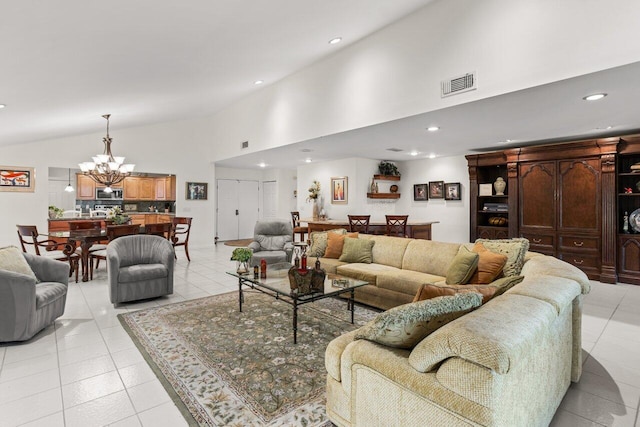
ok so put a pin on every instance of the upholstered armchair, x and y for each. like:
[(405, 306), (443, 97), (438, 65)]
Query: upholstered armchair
[(32, 296), (272, 241), (139, 267)]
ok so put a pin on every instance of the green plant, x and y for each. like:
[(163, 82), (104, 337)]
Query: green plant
[(241, 254), (117, 216), (56, 211), (387, 168)]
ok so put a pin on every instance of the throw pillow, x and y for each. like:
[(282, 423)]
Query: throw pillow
[(488, 291), (11, 259), (406, 325), (490, 265), (462, 267), (318, 242), (335, 242), (357, 250), (515, 250)]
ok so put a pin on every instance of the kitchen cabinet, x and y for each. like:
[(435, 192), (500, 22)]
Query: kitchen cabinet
[(146, 189), (131, 188), (165, 188), (85, 187)]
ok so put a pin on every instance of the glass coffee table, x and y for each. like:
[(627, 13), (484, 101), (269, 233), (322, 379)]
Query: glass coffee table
[(277, 285)]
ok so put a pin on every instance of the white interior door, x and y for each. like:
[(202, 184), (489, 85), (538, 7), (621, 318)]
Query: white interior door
[(269, 200), (238, 208), (227, 195), (248, 207)]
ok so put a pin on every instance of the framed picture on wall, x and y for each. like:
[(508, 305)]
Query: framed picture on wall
[(452, 191), (436, 189), (339, 190), (196, 191), (17, 178), (420, 192)]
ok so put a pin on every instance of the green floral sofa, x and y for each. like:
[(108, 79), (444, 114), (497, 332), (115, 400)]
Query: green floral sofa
[(507, 363)]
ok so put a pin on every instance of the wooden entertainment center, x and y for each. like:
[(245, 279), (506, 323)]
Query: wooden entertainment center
[(568, 199)]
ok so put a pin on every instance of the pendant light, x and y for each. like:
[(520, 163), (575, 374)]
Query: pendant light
[(69, 188)]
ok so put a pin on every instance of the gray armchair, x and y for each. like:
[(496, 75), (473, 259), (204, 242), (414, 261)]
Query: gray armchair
[(27, 307), (139, 267), (272, 241)]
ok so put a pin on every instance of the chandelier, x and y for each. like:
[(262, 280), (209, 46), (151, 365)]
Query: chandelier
[(105, 169)]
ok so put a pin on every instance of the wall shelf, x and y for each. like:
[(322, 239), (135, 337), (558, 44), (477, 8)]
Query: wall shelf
[(383, 195), (387, 177)]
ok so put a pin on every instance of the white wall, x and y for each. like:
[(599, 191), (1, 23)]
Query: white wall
[(396, 72), (165, 148), (453, 216)]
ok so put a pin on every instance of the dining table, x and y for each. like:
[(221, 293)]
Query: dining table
[(84, 239)]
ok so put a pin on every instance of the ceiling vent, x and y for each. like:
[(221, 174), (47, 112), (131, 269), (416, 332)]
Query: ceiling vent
[(244, 144), (459, 84), (395, 150)]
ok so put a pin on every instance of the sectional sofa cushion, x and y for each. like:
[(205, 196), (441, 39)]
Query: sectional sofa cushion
[(335, 242), (387, 250), (318, 241), (406, 325), (515, 249), (11, 259), (405, 281), (357, 250), (427, 256), (488, 291), (366, 272), (490, 265), (462, 267)]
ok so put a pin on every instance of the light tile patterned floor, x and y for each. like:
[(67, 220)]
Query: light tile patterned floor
[(85, 371)]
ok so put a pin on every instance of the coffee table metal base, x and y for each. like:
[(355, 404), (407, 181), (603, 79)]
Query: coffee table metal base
[(294, 302)]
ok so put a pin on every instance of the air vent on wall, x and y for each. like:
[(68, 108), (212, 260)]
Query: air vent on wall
[(395, 150), (244, 144), (458, 84)]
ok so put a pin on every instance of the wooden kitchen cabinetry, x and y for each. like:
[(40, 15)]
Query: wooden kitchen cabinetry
[(146, 188), (166, 188), (85, 187)]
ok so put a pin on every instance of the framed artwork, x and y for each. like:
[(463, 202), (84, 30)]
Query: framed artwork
[(452, 191), (436, 189), (420, 192), (339, 190), (485, 190), (17, 178), (196, 191)]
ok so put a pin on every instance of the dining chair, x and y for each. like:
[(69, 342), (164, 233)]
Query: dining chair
[(359, 223), (297, 229), (29, 236), (98, 213), (180, 233), (162, 229), (72, 214), (113, 232), (397, 225)]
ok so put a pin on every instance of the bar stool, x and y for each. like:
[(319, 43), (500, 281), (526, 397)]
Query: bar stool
[(397, 225), (359, 223)]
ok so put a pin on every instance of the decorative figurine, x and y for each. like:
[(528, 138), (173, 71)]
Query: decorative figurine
[(625, 223)]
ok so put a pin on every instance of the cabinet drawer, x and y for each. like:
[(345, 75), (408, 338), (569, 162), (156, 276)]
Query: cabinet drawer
[(540, 242), (577, 243), (581, 260)]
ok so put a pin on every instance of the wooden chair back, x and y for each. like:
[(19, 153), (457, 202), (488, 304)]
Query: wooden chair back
[(359, 223), (180, 233), (295, 219), (397, 225), (160, 229)]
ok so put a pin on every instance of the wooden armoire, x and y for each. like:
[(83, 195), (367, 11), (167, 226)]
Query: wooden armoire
[(561, 197)]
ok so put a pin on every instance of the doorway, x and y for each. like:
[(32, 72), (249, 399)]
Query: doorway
[(238, 209)]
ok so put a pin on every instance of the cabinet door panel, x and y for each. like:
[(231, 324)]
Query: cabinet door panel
[(579, 186), (537, 201)]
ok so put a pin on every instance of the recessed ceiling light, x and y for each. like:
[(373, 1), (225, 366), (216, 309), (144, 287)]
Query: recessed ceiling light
[(307, 160), (594, 97), (433, 128), (306, 150), (605, 128), (506, 141), (262, 164), (258, 82), (432, 156), (335, 40), (2, 105), (413, 153)]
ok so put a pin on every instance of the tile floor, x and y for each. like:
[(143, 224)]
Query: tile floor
[(85, 371)]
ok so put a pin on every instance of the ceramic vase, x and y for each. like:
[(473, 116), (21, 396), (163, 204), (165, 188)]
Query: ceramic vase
[(242, 267), (316, 209), (499, 186)]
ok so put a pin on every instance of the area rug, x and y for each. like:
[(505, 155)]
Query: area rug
[(241, 242), (223, 367)]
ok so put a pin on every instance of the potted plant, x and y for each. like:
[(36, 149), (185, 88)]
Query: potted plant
[(117, 215), (55, 212), (387, 168), (242, 257)]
